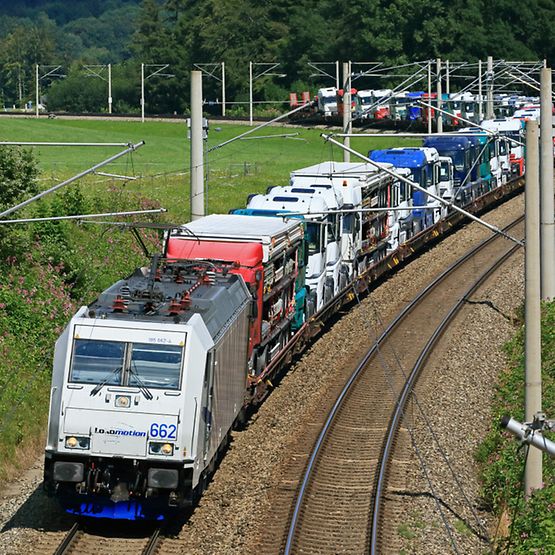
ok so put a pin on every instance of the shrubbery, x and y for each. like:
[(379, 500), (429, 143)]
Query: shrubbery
[(47, 270), (532, 523)]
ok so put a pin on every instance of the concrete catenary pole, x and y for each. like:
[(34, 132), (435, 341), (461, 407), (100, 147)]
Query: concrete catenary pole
[(547, 228), (143, 93), (489, 106), (347, 108), (197, 158), (439, 116), (109, 88), (37, 90), (447, 85), (250, 93), (223, 88), (480, 97), (429, 97), (533, 387), (337, 74)]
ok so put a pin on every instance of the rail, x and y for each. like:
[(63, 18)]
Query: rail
[(69, 540), (404, 396), (406, 391)]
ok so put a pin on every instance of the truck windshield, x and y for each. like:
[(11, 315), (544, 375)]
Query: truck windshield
[(126, 364), (458, 159), (313, 231)]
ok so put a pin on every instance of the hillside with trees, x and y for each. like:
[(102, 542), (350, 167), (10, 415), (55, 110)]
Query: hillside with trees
[(126, 33)]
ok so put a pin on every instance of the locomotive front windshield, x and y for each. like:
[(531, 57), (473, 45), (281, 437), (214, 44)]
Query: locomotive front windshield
[(96, 361), (155, 365), (126, 364)]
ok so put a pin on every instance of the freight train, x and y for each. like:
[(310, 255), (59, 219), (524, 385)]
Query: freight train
[(150, 378)]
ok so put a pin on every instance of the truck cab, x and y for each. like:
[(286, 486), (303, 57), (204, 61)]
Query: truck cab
[(459, 150), (425, 169), (484, 150), (333, 198), (314, 214), (365, 235), (363, 100), (267, 253), (327, 101), (511, 154)]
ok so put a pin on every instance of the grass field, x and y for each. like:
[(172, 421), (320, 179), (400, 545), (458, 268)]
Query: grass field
[(234, 171)]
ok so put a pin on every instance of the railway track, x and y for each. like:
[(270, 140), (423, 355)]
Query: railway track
[(339, 504), (107, 539)]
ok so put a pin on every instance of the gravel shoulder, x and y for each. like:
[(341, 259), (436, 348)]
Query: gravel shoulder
[(234, 512)]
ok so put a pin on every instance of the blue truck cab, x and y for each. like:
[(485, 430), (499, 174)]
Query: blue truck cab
[(461, 151), (414, 110), (424, 170), (482, 153)]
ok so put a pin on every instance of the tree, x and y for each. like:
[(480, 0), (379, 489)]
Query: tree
[(18, 179)]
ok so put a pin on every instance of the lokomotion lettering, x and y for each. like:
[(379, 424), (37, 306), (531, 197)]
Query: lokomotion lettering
[(116, 432)]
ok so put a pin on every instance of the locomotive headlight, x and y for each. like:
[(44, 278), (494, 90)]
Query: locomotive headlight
[(167, 449), (77, 442), (123, 401), (71, 442), (157, 448)]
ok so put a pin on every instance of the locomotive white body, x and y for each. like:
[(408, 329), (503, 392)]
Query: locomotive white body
[(146, 382)]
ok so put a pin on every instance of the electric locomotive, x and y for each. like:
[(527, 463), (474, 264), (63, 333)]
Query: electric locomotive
[(149, 379)]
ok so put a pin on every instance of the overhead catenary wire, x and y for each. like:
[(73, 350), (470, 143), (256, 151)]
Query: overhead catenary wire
[(44, 143), (84, 216), (130, 148), (262, 125)]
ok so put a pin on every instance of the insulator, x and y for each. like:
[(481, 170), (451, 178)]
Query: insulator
[(175, 307), (119, 304)]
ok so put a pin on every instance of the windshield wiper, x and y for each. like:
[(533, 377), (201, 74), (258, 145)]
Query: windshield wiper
[(99, 386), (144, 389)]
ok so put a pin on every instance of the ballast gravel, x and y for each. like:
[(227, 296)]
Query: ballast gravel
[(458, 406), (233, 513)]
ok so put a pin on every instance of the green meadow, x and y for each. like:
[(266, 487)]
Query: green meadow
[(49, 269), (263, 158)]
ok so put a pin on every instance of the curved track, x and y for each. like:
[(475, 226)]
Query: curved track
[(337, 509)]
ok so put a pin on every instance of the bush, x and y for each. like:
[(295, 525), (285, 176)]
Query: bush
[(60, 266), (502, 459)]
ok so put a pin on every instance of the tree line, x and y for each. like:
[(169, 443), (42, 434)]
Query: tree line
[(182, 33)]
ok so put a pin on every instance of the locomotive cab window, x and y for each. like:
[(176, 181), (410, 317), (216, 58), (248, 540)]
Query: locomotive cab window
[(155, 365), (126, 364), (96, 361)]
